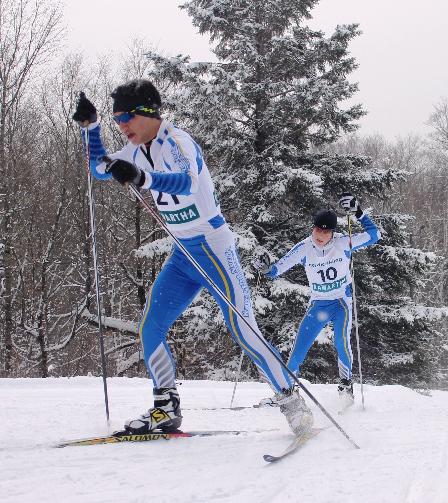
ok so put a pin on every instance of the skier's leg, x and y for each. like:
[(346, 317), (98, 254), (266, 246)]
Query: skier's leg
[(342, 323), (171, 293), (218, 256), (315, 319)]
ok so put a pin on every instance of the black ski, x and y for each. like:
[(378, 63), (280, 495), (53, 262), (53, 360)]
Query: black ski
[(124, 436), (294, 446)]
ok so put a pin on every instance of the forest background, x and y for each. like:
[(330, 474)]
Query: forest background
[(280, 140)]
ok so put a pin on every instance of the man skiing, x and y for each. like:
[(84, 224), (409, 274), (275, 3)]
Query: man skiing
[(165, 160), (326, 257)]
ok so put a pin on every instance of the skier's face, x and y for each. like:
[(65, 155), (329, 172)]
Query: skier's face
[(139, 129), (321, 237)]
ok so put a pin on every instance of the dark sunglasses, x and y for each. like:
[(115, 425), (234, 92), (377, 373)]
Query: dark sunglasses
[(125, 117)]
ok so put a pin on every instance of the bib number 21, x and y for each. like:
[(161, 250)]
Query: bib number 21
[(161, 202)]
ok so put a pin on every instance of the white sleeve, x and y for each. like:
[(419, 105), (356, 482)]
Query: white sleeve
[(126, 154), (296, 255), (187, 155)]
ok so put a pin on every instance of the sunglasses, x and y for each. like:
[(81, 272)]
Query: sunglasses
[(125, 117)]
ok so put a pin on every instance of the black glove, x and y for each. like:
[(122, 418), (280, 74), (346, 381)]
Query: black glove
[(263, 264), (350, 204), (85, 112), (125, 172)]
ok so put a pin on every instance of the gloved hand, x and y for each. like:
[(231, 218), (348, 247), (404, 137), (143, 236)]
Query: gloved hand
[(124, 171), (350, 204), (85, 112), (263, 264)]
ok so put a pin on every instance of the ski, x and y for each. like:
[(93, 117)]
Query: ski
[(243, 407), (123, 436), (294, 446)]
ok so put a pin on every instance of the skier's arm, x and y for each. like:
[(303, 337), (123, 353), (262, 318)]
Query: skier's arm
[(295, 256), (96, 151), (85, 115), (171, 183), (370, 235), (187, 156)]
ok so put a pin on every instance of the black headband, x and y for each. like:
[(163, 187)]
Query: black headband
[(126, 103)]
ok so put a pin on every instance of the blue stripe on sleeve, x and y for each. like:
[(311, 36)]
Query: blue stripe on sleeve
[(96, 146), (371, 229), (171, 183), (96, 151), (178, 156), (199, 160), (272, 274), (217, 221)]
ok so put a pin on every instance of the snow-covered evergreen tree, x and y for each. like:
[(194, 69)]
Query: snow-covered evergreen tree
[(263, 112), (402, 321)]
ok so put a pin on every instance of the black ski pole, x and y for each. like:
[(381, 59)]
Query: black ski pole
[(95, 266)]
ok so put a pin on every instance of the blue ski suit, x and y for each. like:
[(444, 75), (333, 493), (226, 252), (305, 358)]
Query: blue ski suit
[(183, 191)]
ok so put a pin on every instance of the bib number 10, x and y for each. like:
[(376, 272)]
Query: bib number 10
[(328, 275)]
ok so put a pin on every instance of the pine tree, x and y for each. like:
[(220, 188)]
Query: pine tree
[(263, 113)]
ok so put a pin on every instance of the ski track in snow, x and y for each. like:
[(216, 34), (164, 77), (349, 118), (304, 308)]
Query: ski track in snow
[(403, 437)]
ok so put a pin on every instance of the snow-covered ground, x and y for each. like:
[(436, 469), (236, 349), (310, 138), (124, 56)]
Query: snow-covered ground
[(403, 437)]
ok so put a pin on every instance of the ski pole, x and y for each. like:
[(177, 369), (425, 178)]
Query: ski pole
[(355, 310), (95, 266), (229, 303), (237, 378), (242, 352)]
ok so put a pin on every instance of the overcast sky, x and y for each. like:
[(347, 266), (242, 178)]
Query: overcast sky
[(402, 53)]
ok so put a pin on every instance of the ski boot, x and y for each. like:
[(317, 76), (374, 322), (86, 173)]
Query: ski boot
[(164, 416), (345, 390), (293, 406)]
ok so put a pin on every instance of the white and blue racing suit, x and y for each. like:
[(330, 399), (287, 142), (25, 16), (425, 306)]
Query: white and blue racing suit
[(183, 192), (328, 272)]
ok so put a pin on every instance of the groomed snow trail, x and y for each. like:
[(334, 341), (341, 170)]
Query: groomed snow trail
[(403, 437)]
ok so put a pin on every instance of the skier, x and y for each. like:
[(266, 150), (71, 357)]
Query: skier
[(166, 160), (326, 256)]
